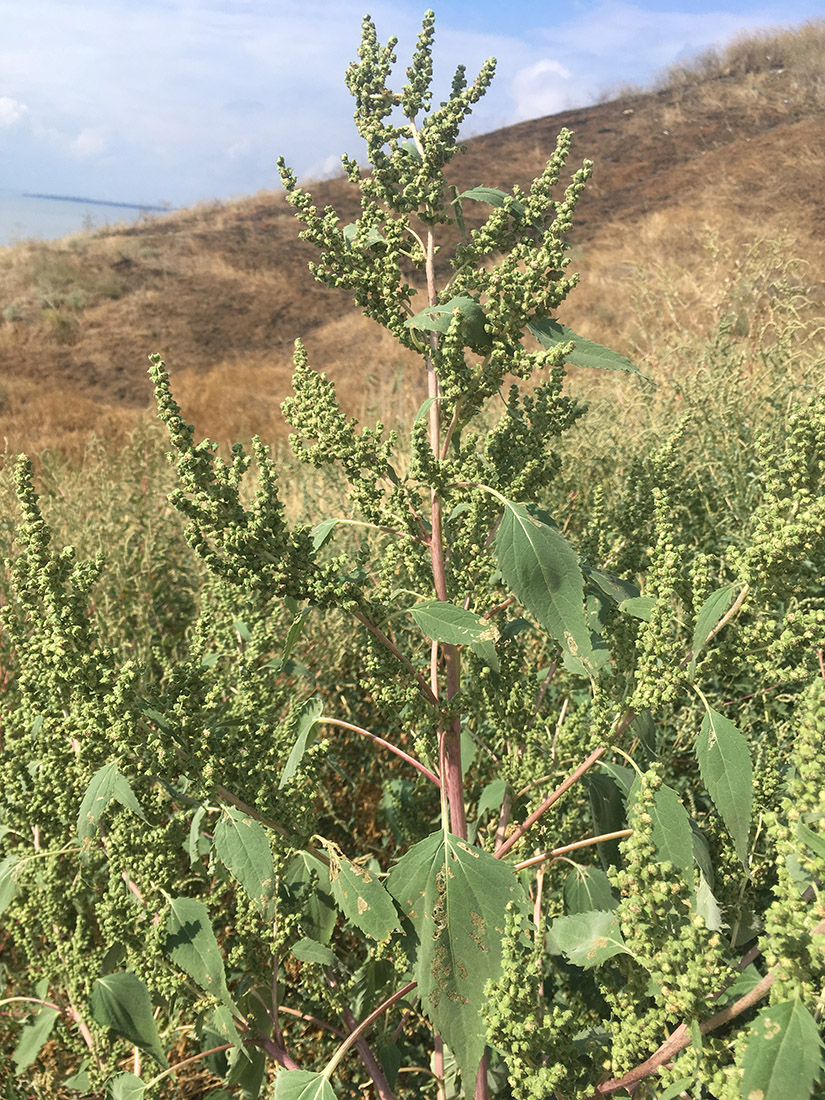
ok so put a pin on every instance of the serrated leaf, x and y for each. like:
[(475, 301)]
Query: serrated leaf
[(492, 796), (455, 896), (32, 1038), (671, 829), (121, 1002), (726, 769), (742, 984), (589, 939), (614, 588), (242, 846), (494, 197), (439, 318), (586, 353), (709, 615), (360, 896), (586, 889), (125, 1086), (78, 1082), (542, 570), (191, 945), (444, 622), (783, 1057), (106, 784), (639, 607), (310, 951), (8, 886), (308, 716), (302, 1084)]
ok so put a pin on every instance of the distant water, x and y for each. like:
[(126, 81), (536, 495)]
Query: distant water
[(48, 216)]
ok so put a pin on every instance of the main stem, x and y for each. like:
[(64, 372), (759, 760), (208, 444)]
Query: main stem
[(449, 738)]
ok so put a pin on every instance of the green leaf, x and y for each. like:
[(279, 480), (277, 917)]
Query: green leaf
[(813, 840), (746, 981), (125, 1086), (302, 1084), (79, 1082), (444, 622), (542, 570), (586, 889), (709, 615), (672, 833), (121, 1002), (191, 945), (725, 765), (492, 796), (322, 532), (676, 1089), (783, 1057), (639, 607), (589, 939), (319, 915), (242, 846), (368, 239), (308, 716), (310, 951), (32, 1038), (439, 318), (494, 197), (106, 784), (585, 354), (607, 806), (8, 886), (707, 906), (193, 845), (614, 588), (360, 896), (455, 896)]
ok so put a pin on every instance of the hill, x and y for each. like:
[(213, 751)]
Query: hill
[(705, 208)]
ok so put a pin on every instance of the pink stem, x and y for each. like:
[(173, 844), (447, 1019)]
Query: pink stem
[(386, 744)]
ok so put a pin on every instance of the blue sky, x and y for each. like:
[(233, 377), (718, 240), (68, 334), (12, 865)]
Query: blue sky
[(179, 100)]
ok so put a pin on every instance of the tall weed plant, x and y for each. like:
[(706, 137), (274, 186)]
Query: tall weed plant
[(503, 779)]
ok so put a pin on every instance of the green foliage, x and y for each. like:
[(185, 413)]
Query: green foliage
[(495, 649)]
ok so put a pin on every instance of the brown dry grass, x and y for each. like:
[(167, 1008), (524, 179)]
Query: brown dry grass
[(696, 185)]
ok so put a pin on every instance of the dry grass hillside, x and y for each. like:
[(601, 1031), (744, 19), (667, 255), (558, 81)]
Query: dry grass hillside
[(706, 202)]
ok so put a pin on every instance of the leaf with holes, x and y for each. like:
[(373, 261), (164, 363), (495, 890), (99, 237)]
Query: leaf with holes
[(725, 764), (542, 570), (783, 1057), (455, 896), (242, 846), (122, 1003), (359, 895)]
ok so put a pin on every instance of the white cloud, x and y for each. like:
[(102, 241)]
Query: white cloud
[(541, 89), (11, 111), (88, 143)]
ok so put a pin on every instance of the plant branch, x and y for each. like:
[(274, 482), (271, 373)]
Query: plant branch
[(355, 1035), (516, 836), (543, 857), (681, 1036), (376, 632), (386, 744)]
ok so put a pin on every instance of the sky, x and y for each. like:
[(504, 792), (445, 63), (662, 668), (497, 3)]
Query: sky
[(176, 101)]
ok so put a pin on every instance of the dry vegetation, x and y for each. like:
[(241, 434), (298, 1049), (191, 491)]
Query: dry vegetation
[(705, 208)]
